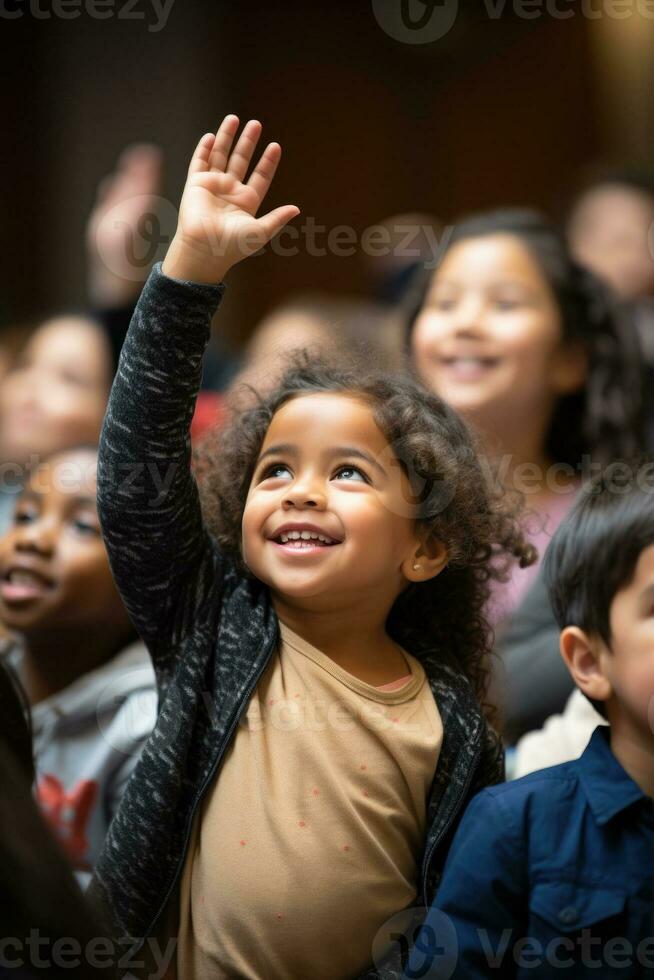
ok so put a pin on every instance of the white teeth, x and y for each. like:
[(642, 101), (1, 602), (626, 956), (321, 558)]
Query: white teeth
[(304, 536), (468, 361)]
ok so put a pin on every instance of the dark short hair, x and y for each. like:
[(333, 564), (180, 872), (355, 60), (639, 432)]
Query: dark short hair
[(594, 553)]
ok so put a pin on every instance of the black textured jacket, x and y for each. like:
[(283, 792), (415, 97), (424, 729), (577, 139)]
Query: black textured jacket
[(210, 631)]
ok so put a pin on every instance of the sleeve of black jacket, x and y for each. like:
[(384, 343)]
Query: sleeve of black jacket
[(162, 557)]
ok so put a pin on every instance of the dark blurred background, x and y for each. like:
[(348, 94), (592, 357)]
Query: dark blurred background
[(502, 109)]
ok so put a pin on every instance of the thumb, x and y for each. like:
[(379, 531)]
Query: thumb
[(275, 220)]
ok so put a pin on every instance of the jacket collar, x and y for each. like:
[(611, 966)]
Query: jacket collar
[(609, 789)]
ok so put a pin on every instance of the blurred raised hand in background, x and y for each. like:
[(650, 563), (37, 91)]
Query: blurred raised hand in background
[(123, 226)]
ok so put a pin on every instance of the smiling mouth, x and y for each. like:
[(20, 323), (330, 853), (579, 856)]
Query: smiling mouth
[(468, 367), (303, 542), (20, 585), (468, 360)]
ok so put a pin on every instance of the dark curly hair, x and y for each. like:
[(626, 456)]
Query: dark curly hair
[(455, 499), (606, 419)]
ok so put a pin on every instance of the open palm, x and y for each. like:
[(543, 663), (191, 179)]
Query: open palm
[(217, 224)]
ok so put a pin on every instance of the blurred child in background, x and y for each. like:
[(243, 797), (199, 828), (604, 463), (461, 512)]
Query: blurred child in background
[(340, 325), (611, 231), (55, 394), (90, 683), (532, 350)]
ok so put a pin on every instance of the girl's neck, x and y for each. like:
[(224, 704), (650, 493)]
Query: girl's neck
[(352, 636), (54, 659), (523, 464)]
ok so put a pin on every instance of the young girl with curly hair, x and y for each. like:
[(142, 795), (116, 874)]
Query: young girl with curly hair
[(319, 635)]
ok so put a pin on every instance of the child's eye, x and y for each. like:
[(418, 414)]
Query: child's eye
[(444, 305), (507, 304), (85, 528), (274, 469), (24, 516), (352, 469)]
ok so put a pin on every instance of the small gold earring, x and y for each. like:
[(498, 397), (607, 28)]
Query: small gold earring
[(416, 566)]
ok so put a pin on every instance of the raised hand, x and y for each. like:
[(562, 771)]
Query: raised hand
[(217, 224), (124, 199)]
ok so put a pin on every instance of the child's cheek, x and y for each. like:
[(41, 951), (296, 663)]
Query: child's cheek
[(246, 544), (641, 690), (253, 541)]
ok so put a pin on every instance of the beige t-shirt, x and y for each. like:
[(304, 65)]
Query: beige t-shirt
[(310, 839)]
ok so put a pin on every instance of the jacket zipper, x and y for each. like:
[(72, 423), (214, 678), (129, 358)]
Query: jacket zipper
[(244, 702), (455, 809)]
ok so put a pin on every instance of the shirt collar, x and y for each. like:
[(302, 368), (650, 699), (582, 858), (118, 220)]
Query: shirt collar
[(609, 789)]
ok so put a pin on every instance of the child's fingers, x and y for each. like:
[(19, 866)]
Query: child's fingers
[(239, 161), (200, 158), (263, 173), (223, 142), (275, 220)]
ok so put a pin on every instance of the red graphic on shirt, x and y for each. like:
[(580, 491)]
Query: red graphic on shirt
[(68, 813)]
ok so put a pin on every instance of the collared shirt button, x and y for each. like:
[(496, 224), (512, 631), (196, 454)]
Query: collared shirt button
[(568, 915)]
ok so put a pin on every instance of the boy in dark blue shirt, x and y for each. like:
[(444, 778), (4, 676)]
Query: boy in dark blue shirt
[(553, 875)]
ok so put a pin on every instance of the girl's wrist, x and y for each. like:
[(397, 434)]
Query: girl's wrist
[(184, 261)]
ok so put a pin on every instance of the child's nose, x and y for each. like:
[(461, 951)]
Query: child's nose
[(38, 536), (469, 316), (305, 493)]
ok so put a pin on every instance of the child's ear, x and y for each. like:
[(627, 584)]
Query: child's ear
[(582, 657), (425, 561)]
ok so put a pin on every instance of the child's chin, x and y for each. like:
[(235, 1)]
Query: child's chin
[(301, 585), (23, 619)]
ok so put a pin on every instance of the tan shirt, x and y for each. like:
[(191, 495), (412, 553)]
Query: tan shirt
[(311, 837)]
